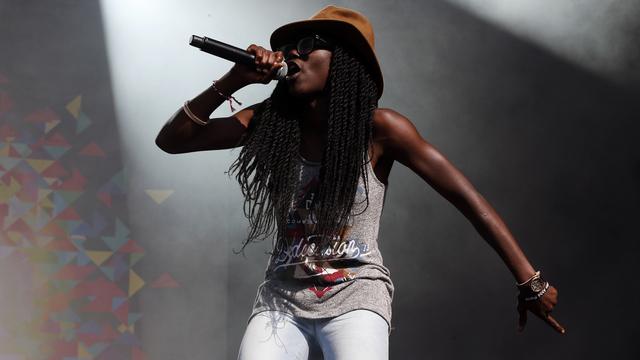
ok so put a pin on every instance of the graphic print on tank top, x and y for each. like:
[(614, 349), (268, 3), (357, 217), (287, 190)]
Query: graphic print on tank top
[(304, 260)]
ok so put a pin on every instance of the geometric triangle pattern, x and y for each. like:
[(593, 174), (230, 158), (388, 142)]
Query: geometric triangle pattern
[(78, 254), (73, 107), (92, 150), (113, 189), (159, 196), (165, 281)]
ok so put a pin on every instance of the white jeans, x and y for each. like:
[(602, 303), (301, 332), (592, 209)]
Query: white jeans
[(355, 335)]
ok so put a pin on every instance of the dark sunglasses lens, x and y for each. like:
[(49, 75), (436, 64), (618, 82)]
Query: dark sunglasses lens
[(286, 49), (305, 46)]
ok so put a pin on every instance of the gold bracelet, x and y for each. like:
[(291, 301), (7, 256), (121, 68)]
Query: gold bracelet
[(536, 275), (191, 115)]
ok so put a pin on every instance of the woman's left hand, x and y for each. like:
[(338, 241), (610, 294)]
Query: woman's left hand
[(541, 308)]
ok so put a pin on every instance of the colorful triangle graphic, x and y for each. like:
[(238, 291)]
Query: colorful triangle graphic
[(135, 283), (98, 257), (74, 105), (159, 196)]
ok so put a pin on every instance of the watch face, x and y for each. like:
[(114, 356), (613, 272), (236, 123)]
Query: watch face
[(537, 285)]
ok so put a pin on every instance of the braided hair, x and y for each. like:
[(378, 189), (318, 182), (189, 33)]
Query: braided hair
[(267, 167)]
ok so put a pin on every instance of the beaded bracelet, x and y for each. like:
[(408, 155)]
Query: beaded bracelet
[(227, 97), (539, 294)]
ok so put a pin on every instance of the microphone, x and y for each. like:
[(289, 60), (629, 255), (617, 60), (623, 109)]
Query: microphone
[(231, 53)]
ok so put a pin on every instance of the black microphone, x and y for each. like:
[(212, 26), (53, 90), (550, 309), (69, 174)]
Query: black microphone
[(231, 53)]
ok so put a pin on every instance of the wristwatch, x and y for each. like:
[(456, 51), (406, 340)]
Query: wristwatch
[(537, 284)]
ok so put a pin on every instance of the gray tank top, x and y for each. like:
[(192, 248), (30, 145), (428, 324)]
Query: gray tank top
[(309, 282)]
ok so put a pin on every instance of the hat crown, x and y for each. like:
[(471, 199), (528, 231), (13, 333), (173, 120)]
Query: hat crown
[(356, 19), (350, 28)]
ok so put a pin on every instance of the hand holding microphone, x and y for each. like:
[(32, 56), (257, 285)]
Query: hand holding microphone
[(267, 66), (255, 65)]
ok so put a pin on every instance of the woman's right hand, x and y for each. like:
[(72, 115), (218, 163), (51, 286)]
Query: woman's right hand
[(542, 308), (267, 64)]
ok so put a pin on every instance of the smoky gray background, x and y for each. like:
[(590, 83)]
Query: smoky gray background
[(536, 102)]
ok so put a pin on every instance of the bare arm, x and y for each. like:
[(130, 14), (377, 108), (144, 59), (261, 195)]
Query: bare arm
[(405, 145), (180, 134), (402, 141)]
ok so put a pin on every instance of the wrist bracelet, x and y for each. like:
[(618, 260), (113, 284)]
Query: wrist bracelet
[(191, 115), (227, 97), (534, 276), (539, 294)]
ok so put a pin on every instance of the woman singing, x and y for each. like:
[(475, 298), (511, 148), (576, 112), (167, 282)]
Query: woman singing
[(313, 169)]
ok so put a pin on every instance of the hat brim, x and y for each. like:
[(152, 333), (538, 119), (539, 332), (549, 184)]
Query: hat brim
[(339, 30)]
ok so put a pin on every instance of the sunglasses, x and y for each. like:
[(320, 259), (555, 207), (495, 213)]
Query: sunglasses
[(305, 46)]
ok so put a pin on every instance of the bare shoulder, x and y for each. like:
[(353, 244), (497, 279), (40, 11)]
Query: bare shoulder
[(390, 126), (245, 115)]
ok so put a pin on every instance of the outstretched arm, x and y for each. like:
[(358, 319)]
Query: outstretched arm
[(401, 140)]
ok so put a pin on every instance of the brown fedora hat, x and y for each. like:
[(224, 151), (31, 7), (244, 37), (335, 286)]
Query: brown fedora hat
[(345, 25)]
